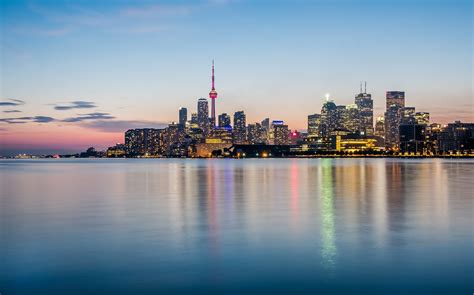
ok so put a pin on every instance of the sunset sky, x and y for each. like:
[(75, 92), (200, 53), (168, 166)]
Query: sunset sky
[(79, 73)]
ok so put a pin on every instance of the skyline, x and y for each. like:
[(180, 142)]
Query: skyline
[(76, 83)]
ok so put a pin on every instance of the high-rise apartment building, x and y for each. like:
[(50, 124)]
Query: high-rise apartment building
[(203, 114), (224, 120), (281, 134), (240, 127), (143, 142)]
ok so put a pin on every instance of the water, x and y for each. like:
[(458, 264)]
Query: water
[(262, 226)]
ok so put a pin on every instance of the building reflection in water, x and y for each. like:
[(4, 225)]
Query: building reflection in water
[(329, 250)]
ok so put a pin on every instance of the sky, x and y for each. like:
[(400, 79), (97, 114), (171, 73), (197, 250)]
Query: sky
[(76, 74)]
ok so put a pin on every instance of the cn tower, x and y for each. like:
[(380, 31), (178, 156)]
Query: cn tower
[(213, 96)]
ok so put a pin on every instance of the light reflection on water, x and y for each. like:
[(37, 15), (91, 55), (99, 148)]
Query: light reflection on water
[(274, 226)]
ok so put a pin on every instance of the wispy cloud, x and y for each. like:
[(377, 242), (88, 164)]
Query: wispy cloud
[(22, 120), (11, 102), (75, 105), (12, 111), (88, 117)]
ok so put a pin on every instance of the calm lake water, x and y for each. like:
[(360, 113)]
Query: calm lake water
[(262, 226)]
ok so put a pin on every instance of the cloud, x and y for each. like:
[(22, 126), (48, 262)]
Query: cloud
[(22, 120), (76, 105), (90, 116), (12, 102), (12, 111), (122, 125)]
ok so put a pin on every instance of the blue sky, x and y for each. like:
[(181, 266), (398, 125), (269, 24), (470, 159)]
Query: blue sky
[(139, 61)]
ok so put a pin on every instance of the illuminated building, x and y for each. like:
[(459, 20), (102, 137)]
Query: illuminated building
[(296, 137), (183, 117), (351, 119), (328, 117), (266, 129), (224, 120), (395, 102), (457, 137), (143, 142), (203, 115), (412, 138), (256, 134), (422, 118), (314, 124), (365, 105), (395, 98), (240, 127), (213, 97), (354, 143), (407, 115), (341, 114), (173, 138), (117, 151), (281, 134), (380, 127), (220, 135), (194, 120)]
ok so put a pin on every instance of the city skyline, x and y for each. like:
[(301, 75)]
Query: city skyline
[(56, 104)]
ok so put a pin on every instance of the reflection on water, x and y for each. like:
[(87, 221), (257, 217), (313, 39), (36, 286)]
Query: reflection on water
[(329, 249), (274, 226)]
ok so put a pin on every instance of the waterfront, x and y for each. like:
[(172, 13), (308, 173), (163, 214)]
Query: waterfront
[(274, 226)]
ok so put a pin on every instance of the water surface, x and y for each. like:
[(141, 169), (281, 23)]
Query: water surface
[(256, 226)]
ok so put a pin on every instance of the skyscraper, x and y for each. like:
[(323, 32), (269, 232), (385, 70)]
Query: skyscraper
[(240, 127), (314, 123), (224, 120), (352, 119), (365, 104), (328, 117), (395, 102), (183, 117), (213, 96), (203, 114), (395, 98), (422, 118)]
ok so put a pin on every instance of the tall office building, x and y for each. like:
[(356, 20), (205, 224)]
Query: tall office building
[(281, 134), (314, 124), (352, 119), (395, 102), (328, 118), (203, 114), (224, 120), (240, 127), (365, 104), (395, 98), (213, 97), (407, 115), (183, 117), (422, 118)]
